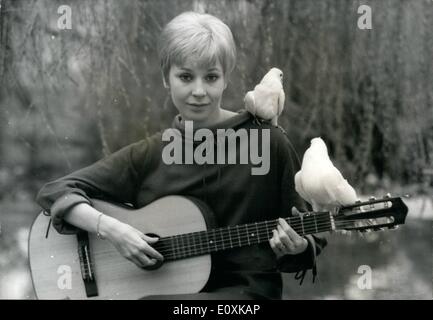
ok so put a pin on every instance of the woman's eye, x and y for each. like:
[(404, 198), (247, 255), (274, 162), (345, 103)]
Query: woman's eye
[(185, 77), (212, 77)]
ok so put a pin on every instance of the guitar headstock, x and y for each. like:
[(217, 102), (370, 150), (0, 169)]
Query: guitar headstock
[(374, 214)]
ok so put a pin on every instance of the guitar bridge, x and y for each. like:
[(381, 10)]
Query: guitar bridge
[(86, 266)]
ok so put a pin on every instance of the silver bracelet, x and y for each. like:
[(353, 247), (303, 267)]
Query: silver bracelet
[(97, 227)]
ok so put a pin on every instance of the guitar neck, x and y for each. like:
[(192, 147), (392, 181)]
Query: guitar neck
[(204, 242)]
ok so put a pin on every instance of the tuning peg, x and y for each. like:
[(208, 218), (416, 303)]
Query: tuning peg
[(358, 208), (372, 199)]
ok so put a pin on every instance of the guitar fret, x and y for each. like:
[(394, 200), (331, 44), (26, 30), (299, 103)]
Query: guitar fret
[(222, 238), (207, 241), (179, 247), (193, 244), (263, 232), (181, 237), (173, 247), (213, 241), (239, 236), (184, 247), (188, 246), (298, 229), (248, 235), (230, 237), (199, 242), (267, 230), (192, 248), (301, 219)]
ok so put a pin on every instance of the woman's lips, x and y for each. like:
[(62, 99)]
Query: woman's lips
[(197, 105)]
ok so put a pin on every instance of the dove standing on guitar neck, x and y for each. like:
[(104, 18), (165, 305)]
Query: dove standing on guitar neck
[(266, 101), (319, 182)]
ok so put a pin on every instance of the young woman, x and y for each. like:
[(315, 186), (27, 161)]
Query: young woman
[(197, 55)]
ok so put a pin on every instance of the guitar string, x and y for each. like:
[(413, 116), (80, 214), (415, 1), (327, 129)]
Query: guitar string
[(187, 242), (224, 235), (223, 243), (172, 252), (263, 225), (228, 234), (173, 256), (225, 232), (242, 238), (170, 255), (176, 250)]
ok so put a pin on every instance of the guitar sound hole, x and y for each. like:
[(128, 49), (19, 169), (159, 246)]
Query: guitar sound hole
[(158, 263)]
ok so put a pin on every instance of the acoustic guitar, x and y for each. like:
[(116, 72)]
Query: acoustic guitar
[(81, 266)]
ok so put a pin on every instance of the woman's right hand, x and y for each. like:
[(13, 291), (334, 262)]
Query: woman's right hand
[(130, 242)]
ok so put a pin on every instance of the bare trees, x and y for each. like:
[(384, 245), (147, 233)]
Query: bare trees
[(73, 95)]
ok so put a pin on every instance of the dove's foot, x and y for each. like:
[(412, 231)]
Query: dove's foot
[(257, 121)]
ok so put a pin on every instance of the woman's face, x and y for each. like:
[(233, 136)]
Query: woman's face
[(197, 91)]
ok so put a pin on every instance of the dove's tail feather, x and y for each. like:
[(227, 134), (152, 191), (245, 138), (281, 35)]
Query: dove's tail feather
[(300, 188), (250, 103)]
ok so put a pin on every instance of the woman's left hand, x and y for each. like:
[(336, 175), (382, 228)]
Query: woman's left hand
[(286, 241)]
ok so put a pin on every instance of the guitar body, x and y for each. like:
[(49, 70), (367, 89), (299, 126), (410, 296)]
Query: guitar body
[(55, 264)]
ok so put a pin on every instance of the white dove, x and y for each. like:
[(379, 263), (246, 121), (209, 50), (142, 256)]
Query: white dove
[(319, 182), (266, 101)]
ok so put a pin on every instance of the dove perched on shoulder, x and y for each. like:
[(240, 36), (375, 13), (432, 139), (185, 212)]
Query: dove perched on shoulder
[(266, 101), (319, 182)]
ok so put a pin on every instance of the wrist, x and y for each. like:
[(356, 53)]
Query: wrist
[(107, 226)]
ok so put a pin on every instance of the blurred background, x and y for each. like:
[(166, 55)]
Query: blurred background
[(70, 97)]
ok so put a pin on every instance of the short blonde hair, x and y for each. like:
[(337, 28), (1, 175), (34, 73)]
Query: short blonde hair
[(200, 36)]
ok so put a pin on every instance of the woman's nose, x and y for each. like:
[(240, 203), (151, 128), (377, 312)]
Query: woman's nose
[(198, 90)]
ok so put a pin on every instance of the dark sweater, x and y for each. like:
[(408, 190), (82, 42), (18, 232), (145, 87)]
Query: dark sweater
[(136, 174)]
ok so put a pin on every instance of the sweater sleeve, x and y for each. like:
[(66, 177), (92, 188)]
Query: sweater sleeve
[(116, 177), (289, 164)]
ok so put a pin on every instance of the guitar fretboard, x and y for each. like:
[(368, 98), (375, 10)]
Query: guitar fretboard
[(204, 242)]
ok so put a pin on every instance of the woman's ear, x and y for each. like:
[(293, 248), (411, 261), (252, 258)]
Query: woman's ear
[(164, 82)]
